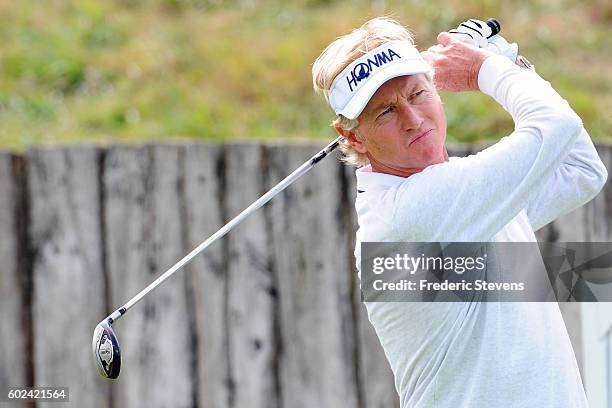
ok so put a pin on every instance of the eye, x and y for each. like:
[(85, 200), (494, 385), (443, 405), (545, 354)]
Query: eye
[(418, 97), (387, 110)]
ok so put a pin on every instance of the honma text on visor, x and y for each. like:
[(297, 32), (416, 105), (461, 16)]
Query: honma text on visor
[(363, 69)]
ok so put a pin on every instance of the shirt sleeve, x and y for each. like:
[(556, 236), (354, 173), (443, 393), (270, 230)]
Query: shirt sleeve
[(472, 198), (575, 182)]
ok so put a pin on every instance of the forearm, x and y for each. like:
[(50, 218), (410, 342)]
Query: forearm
[(530, 100)]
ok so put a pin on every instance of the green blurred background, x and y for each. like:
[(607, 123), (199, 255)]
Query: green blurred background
[(147, 70)]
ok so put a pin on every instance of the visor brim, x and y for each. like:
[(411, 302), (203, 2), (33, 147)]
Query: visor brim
[(361, 98)]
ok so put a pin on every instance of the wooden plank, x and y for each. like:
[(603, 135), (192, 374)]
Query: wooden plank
[(252, 345), (599, 210), (207, 274), (13, 346), (69, 287), (571, 227), (311, 258), (376, 380), (142, 212)]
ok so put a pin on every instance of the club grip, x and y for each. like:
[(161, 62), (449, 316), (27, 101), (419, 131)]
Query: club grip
[(495, 27)]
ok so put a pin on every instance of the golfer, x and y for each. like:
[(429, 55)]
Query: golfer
[(384, 93)]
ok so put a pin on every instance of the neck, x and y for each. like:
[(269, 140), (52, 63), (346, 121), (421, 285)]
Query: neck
[(402, 171)]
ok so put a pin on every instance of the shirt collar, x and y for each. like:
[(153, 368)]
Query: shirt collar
[(370, 180)]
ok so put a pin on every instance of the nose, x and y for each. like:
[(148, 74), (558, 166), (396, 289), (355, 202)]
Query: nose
[(411, 116)]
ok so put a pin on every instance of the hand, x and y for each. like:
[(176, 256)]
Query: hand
[(478, 33), (456, 64)]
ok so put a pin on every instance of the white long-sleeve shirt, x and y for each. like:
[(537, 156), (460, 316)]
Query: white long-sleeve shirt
[(485, 354)]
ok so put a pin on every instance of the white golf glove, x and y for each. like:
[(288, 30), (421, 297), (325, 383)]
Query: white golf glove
[(499, 45), (477, 33), (473, 32)]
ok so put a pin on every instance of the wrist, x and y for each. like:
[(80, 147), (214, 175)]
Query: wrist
[(474, 71), (490, 72)]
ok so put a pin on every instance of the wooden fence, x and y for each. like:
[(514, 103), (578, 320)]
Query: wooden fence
[(267, 317)]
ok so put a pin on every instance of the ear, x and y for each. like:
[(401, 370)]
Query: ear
[(352, 139)]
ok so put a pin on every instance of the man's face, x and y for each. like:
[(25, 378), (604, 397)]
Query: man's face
[(403, 126)]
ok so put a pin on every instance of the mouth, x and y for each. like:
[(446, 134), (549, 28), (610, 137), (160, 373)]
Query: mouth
[(420, 136)]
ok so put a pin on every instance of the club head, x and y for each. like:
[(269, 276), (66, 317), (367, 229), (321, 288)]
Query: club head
[(105, 349)]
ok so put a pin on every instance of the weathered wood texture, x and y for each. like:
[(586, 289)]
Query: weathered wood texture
[(143, 235), (316, 324), (69, 290), (14, 364), (267, 317), (251, 287), (207, 273)]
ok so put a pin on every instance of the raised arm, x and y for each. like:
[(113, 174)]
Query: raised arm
[(579, 177), (472, 198)]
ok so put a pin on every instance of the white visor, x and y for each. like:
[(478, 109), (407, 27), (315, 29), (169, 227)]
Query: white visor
[(355, 85)]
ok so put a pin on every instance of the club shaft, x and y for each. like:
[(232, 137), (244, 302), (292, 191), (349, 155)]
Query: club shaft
[(300, 171)]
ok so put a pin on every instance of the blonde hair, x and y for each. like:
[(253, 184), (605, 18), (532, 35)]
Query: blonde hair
[(339, 54)]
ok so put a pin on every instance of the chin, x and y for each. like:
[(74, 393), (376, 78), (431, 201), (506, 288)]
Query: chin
[(431, 154)]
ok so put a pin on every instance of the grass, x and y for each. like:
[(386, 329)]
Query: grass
[(136, 70)]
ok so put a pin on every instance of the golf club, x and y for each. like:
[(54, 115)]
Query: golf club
[(105, 347)]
